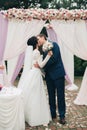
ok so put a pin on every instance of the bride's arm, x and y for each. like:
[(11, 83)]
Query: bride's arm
[(42, 62)]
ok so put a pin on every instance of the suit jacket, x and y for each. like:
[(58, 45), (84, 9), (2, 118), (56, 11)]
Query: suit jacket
[(54, 68)]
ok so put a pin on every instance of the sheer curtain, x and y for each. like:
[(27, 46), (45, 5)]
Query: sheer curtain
[(17, 36), (67, 56), (18, 67), (68, 60), (3, 37), (71, 35), (27, 64), (81, 98)]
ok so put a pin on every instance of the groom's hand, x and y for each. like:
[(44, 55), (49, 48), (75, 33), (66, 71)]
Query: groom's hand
[(36, 65), (2, 67)]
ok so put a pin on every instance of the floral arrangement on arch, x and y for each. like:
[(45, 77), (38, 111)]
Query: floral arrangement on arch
[(45, 14)]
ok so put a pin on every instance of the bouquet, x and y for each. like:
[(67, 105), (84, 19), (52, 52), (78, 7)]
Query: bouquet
[(47, 47)]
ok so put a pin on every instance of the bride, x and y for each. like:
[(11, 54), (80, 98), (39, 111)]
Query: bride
[(35, 101)]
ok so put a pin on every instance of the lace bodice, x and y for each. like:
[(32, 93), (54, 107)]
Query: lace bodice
[(39, 58)]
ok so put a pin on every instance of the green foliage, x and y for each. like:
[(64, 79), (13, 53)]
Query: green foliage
[(6, 4), (71, 4), (67, 4), (79, 66)]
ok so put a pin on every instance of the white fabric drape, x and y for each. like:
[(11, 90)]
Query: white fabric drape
[(11, 109), (17, 36), (68, 61), (71, 33), (27, 64), (65, 54), (81, 98)]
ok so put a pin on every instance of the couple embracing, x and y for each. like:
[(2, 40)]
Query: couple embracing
[(46, 55)]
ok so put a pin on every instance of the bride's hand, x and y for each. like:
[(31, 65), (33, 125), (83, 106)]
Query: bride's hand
[(36, 65), (2, 67), (50, 53)]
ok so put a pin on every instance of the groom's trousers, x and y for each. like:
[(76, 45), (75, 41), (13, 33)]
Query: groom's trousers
[(58, 86)]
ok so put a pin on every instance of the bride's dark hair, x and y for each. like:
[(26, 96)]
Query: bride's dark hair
[(32, 42)]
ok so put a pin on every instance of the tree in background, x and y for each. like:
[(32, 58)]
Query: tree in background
[(67, 4), (79, 66), (6, 4), (70, 4)]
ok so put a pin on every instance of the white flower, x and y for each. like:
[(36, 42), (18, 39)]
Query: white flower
[(47, 46)]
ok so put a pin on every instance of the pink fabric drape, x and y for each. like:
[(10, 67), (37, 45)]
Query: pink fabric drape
[(18, 67), (52, 35)]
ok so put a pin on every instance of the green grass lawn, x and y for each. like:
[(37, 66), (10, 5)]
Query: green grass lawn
[(78, 80)]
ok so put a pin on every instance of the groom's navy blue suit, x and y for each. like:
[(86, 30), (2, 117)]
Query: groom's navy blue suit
[(55, 81)]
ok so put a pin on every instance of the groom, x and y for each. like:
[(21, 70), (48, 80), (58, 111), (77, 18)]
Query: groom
[(55, 80)]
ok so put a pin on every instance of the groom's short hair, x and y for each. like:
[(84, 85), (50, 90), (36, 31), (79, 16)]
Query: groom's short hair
[(42, 35)]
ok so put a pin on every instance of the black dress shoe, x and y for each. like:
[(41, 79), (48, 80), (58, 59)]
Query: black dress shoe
[(54, 119), (62, 121)]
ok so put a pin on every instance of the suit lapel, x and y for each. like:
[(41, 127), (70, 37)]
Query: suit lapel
[(44, 54)]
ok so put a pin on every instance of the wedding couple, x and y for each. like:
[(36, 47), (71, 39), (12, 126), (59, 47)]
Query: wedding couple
[(44, 55)]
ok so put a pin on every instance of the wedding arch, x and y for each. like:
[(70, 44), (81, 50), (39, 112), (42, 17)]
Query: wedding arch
[(67, 27)]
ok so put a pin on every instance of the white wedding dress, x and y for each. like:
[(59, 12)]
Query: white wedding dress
[(81, 98), (35, 101)]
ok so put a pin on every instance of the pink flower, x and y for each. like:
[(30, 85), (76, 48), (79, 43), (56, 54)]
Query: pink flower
[(28, 14)]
